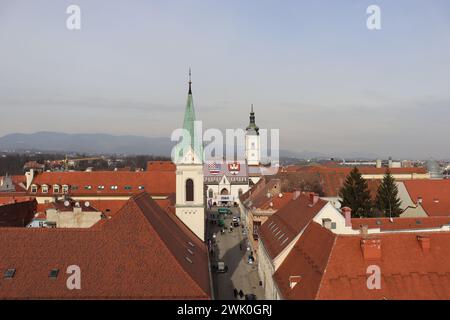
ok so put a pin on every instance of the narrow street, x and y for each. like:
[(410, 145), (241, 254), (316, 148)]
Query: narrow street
[(231, 248)]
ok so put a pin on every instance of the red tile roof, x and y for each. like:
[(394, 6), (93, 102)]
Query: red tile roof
[(154, 182), (161, 166), (435, 195), (284, 225), (333, 267), (385, 224), (139, 253)]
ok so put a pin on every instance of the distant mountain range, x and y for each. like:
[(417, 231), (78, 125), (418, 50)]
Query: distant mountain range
[(86, 143), (98, 143)]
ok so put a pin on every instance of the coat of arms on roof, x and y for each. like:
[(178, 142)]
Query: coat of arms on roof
[(234, 168)]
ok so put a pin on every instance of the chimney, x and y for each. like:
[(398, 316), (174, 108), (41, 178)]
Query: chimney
[(295, 195), (294, 280), (347, 212), (364, 230), (371, 249), (313, 198), (424, 242)]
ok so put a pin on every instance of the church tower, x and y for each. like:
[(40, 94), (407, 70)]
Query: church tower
[(190, 206), (252, 142)]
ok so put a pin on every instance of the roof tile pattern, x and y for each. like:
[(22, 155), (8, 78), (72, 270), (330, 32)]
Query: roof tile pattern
[(140, 253)]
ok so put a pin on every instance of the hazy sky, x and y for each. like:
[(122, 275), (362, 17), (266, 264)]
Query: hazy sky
[(311, 68)]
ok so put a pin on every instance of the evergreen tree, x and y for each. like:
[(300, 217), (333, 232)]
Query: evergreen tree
[(355, 194), (387, 200)]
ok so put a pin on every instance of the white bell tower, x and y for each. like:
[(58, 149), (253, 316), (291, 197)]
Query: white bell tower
[(252, 142), (190, 204)]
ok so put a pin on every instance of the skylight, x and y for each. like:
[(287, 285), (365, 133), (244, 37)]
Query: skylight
[(9, 273), (53, 273)]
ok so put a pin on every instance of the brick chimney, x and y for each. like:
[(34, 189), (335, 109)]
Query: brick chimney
[(424, 242), (347, 212), (313, 198), (371, 249)]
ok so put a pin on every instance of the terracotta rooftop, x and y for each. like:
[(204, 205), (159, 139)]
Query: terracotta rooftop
[(435, 195), (385, 224), (140, 253), (284, 225), (414, 265), (108, 182)]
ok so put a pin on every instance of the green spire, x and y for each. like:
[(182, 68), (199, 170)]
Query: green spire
[(189, 120), (252, 127)]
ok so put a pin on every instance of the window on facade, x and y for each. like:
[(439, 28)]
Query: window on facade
[(189, 190), (210, 193), (74, 187), (141, 187), (87, 187), (101, 187), (113, 187), (65, 188), (55, 189), (128, 187), (33, 188), (44, 189)]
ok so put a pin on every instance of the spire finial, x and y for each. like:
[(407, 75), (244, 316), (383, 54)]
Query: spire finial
[(190, 81), (252, 109)]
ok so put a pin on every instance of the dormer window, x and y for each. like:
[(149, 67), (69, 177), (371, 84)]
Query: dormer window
[(141, 187), (65, 188), (87, 187), (56, 188), (113, 187), (45, 188), (34, 188), (101, 187)]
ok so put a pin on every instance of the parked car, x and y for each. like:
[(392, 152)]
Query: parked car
[(220, 267)]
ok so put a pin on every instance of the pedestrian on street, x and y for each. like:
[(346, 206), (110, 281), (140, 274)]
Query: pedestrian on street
[(235, 292), (241, 294)]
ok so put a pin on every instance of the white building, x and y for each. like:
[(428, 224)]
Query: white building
[(225, 182)]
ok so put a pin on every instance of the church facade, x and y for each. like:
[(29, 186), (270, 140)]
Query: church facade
[(199, 183)]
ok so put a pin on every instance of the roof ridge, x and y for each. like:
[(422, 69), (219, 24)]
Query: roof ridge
[(326, 265)]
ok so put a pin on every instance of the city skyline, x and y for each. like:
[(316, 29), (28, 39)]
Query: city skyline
[(312, 70)]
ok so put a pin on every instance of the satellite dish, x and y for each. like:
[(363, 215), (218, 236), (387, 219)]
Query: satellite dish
[(87, 204), (66, 203)]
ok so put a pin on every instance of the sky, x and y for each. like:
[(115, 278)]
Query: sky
[(312, 69)]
